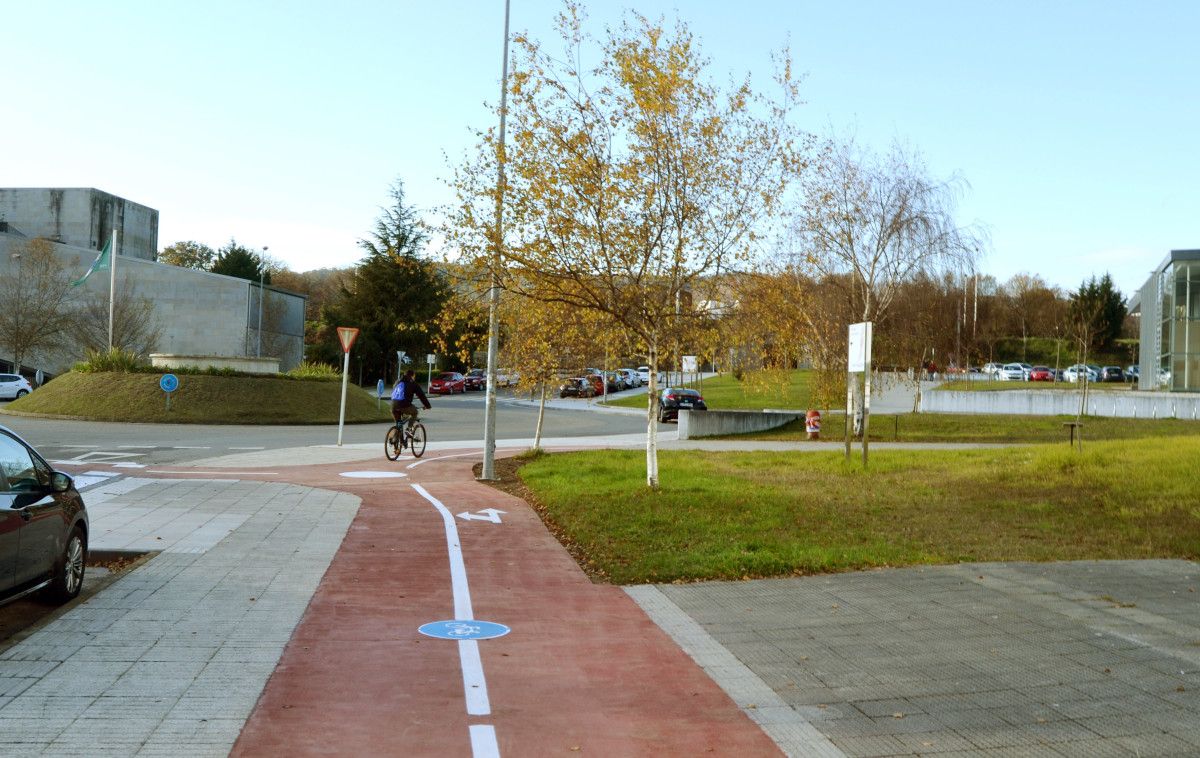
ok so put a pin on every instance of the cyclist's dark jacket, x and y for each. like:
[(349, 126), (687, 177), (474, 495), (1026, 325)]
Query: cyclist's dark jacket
[(406, 389)]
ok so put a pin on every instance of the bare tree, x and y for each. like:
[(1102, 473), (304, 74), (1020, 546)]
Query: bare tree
[(875, 222), (37, 302), (135, 327)]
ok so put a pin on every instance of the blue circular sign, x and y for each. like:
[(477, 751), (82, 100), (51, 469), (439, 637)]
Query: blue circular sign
[(169, 382), (464, 630)]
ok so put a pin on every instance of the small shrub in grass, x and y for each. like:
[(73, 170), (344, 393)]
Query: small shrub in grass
[(114, 359), (317, 371)]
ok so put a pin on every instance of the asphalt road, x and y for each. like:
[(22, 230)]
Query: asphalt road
[(453, 418)]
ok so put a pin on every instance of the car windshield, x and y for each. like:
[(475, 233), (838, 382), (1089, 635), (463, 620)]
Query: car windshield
[(445, 376)]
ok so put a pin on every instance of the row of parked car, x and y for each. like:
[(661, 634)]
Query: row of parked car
[(451, 382), (1024, 372), (594, 382)]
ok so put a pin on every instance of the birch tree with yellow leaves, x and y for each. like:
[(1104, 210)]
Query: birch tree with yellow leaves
[(629, 177)]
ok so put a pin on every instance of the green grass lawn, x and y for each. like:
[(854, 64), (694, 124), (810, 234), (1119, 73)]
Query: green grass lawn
[(999, 428), (200, 399), (729, 516), (789, 389), (963, 385)]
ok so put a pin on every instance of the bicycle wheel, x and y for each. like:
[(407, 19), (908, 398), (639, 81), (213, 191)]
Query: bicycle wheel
[(392, 443), (416, 440)]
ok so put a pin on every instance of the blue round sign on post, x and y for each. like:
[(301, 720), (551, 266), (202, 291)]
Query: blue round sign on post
[(379, 389), (464, 630), (169, 382)]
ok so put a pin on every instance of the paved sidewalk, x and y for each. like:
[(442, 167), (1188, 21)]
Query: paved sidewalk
[(170, 658), (1077, 659)]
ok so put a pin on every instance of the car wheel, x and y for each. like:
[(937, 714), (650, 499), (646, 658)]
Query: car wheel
[(22, 393), (68, 577)]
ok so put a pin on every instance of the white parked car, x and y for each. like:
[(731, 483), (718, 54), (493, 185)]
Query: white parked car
[(1012, 372), (992, 369), (1079, 370), (632, 379), (13, 386), (643, 373)]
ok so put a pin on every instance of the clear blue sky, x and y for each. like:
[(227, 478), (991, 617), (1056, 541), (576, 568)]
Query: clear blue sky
[(283, 123)]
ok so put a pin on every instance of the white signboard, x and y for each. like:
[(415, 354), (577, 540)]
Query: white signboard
[(431, 359), (689, 363), (860, 346)]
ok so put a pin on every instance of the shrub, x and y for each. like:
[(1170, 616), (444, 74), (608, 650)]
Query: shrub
[(319, 371), (114, 359)]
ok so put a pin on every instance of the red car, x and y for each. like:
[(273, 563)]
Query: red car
[(447, 383), (597, 383), (1041, 374)]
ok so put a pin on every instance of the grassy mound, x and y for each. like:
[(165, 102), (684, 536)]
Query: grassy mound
[(200, 399)]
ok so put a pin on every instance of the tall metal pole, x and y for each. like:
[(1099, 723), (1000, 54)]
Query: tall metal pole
[(262, 270), (112, 282), (489, 413)]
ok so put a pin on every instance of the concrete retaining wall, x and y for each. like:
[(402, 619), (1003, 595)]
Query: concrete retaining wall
[(1065, 403), (249, 365), (693, 424)]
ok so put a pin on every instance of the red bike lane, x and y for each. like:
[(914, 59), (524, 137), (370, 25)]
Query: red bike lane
[(582, 668)]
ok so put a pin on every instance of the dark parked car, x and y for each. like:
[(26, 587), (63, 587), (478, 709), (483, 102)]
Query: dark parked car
[(1112, 374), (476, 379), (43, 525), (674, 399), (597, 382), (447, 383), (577, 387)]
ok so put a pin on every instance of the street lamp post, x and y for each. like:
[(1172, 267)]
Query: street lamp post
[(488, 471), (262, 270)]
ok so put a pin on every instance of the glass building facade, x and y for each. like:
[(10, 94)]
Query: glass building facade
[(1170, 305)]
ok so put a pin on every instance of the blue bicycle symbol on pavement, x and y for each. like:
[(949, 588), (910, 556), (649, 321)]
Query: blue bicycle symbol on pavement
[(468, 629)]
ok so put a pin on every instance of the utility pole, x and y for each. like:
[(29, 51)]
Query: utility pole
[(489, 413), (262, 270)]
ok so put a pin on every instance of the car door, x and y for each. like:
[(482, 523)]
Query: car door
[(36, 505), (8, 386), (10, 537)]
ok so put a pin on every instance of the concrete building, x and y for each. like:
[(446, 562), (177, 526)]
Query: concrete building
[(1169, 307), (196, 313), (81, 217)]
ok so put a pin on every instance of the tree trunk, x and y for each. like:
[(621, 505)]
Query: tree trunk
[(537, 434), (652, 420)]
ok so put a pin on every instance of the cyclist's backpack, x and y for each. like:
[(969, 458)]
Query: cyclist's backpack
[(401, 391)]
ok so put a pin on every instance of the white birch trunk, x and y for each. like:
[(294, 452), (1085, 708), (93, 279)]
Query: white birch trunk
[(537, 434), (652, 422)]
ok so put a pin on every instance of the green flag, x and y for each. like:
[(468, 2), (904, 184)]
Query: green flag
[(99, 264)]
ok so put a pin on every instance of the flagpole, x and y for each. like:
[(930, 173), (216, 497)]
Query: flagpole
[(112, 285)]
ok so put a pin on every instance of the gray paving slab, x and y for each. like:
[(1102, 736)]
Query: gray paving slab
[(170, 659), (1083, 658)]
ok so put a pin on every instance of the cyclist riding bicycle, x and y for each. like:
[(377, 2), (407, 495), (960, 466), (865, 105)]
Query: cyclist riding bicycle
[(402, 399)]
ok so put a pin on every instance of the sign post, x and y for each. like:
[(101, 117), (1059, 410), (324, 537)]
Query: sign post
[(689, 365), (859, 362), (346, 336), (430, 359), (168, 383)]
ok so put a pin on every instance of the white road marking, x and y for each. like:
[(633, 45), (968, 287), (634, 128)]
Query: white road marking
[(136, 447), (487, 514), (483, 741), (455, 455), (100, 456), (247, 448), (474, 684), (190, 447), (127, 464), (222, 473), (373, 474)]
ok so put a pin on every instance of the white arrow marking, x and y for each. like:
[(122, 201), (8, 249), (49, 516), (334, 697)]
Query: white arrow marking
[(487, 514)]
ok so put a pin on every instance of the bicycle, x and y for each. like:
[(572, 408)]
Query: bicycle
[(408, 434)]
